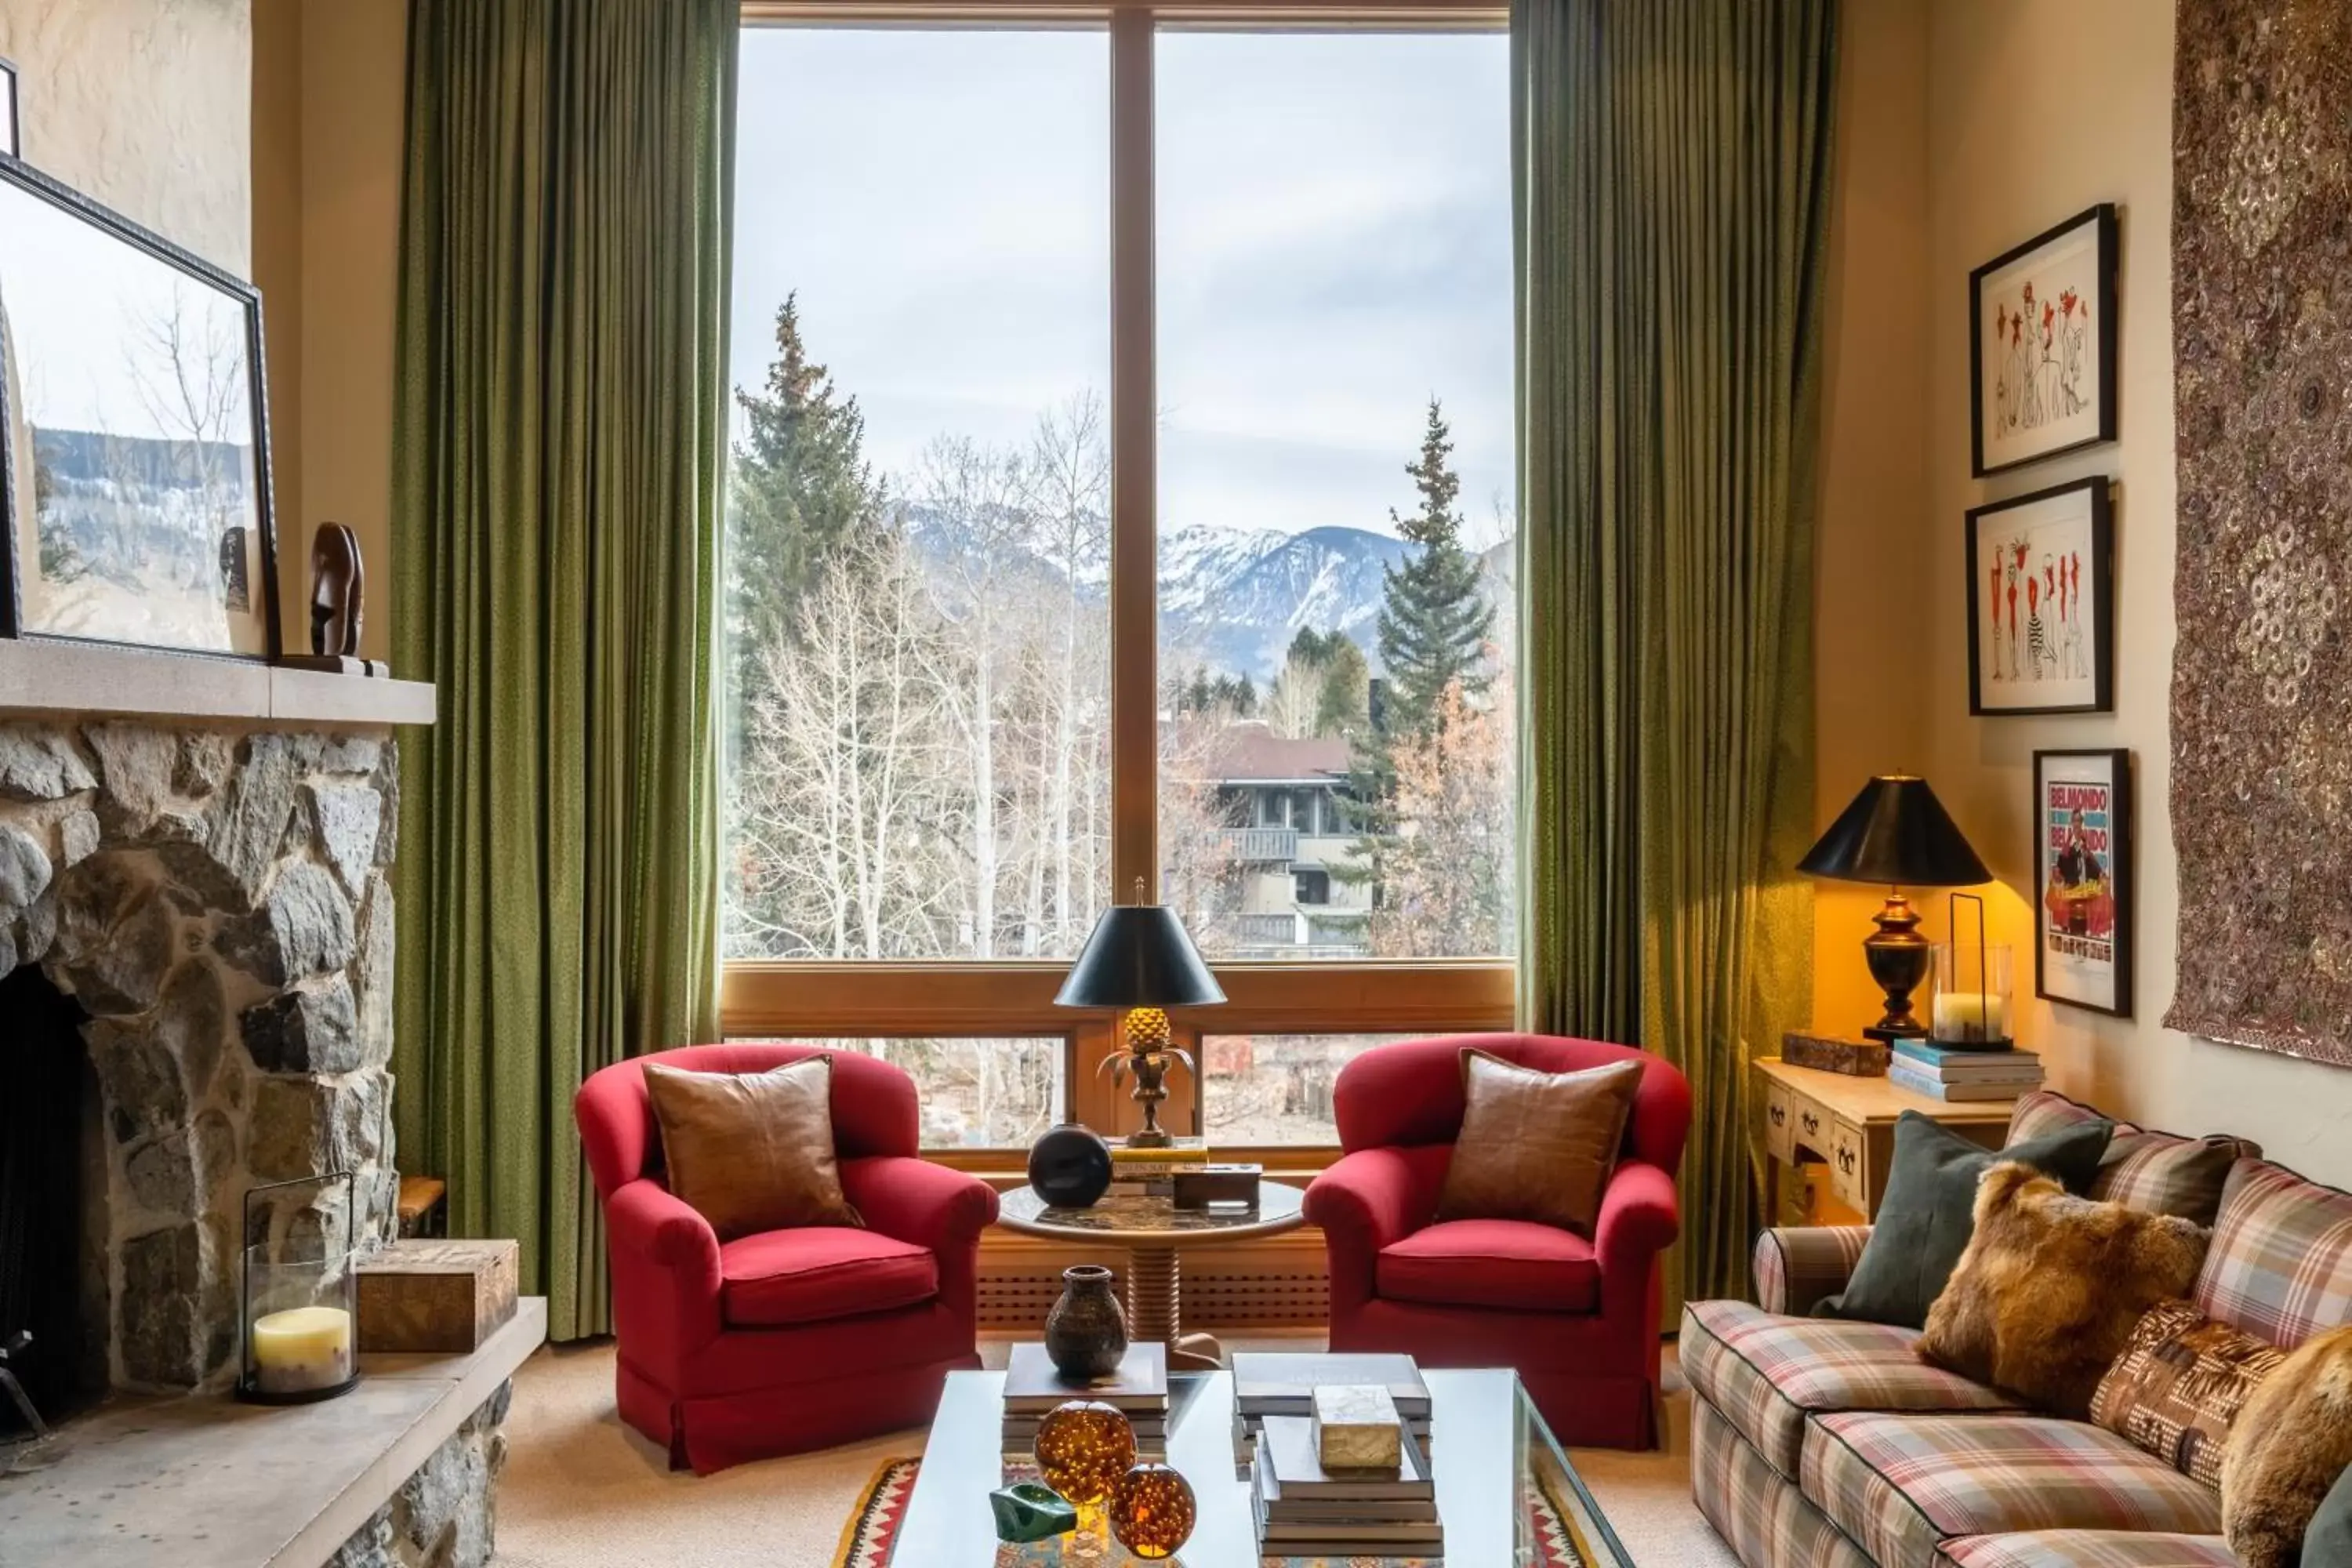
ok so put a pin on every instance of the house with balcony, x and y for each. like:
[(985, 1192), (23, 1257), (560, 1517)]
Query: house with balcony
[(1290, 842)]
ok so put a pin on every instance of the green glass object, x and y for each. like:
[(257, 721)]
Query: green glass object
[(1030, 1511), (1151, 1511)]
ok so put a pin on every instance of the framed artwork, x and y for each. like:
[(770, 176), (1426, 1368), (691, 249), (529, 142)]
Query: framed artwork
[(2041, 344), (2082, 860), (135, 458), (8, 142), (2041, 603)]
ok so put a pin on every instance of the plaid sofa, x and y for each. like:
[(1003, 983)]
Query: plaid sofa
[(1823, 1444)]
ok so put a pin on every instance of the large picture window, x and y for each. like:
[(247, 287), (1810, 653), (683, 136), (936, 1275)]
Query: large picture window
[(1119, 503)]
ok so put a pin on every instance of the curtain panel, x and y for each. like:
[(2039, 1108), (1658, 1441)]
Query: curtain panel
[(560, 446), (1672, 162)]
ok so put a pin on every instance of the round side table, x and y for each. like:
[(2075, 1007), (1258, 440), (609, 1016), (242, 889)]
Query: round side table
[(1152, 1231)]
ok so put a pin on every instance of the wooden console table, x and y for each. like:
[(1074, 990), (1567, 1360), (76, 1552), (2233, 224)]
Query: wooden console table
[(1848, 1125)]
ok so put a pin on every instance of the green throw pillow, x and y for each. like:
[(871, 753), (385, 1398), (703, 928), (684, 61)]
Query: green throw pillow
[(2328, 1542), (1924, 1222)]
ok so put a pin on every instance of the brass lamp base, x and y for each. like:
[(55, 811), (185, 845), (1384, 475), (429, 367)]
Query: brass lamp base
[(1146, 1054), (1898, 958)]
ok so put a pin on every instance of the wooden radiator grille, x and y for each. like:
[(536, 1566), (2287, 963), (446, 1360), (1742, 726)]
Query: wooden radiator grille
[(1279, 1282)]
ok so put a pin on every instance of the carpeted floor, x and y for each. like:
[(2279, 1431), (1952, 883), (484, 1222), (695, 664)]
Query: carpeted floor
[(582, 1491)]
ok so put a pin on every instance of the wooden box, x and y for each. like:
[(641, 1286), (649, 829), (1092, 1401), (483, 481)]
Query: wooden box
[(1855, 1058), (421, 1294)]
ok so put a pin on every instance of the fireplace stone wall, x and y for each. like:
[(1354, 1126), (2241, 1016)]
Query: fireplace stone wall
[(217, 902)]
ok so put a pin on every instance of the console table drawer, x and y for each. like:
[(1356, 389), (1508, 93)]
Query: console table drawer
[(1849, 1155), (1780, 1123)]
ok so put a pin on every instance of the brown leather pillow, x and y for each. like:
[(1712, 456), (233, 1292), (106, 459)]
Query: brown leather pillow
[(752, 1151), (2050, 1286), (1537, 1145)]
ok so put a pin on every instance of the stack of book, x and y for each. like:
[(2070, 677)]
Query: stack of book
[(1305, 1510), (1275, 1383), (1151, 1173), (1956, 1075), (1139, 1389)]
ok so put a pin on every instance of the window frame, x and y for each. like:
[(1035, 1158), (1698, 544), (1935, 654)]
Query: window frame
[(1014, 996)]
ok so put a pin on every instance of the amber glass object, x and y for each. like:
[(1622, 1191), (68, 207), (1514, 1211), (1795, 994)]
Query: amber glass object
[(1151, 1511), (1083, 1447)]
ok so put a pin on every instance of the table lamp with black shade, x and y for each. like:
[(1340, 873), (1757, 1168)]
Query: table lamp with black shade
[(1896, 832), (1140, 962)]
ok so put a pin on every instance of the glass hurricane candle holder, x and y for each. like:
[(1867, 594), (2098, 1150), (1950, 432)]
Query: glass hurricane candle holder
[(301, 1315), (1083, 1447), (1973, 1002), (1152, 1510)]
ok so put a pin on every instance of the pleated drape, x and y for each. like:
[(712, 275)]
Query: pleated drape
[(1673, 169), (560, 448)]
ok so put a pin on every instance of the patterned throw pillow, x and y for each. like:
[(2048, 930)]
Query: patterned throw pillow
[(2156, 1172), (2178, 1385)]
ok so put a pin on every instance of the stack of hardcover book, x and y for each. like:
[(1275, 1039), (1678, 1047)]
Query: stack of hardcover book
[(1957, 1075), (1139, 1390), (1305, 1510), (1151, 1173), (1277, 1383)]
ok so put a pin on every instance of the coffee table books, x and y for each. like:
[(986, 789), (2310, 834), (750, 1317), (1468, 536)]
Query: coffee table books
[(1305, 1510), (1139, 1390), (1282, 1382)]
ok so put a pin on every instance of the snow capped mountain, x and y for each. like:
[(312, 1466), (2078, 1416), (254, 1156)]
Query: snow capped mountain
[(1233, 599)]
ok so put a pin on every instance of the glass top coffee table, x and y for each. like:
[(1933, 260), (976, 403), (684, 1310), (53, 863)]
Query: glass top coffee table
[(1492, 1455)]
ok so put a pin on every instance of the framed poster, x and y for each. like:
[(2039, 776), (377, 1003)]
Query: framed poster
[(8, 142), (2083, 859), (2041, 344), (2042, 600), (134, 457)]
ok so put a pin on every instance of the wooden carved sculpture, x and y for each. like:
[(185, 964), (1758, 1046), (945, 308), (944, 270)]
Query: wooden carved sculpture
[(338, 591)]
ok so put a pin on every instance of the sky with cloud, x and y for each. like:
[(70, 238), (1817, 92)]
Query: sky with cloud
[(1333, 249)]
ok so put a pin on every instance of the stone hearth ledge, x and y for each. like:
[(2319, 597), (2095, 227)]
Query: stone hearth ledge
[(166, 1483), (53, 678)]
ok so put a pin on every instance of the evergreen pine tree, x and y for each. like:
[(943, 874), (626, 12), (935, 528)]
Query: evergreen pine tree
[(1435, 620), (801, 485)]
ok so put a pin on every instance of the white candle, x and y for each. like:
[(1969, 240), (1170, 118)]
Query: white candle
[(301, 1349), (1970, 1016)]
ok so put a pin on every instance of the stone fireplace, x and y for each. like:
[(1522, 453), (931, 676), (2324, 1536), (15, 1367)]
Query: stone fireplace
[(214, 902), (195, 986)]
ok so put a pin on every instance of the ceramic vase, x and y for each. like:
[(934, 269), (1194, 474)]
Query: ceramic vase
[(1086, 1334)]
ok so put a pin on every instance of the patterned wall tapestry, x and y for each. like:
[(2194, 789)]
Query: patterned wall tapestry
[(2262, 684)]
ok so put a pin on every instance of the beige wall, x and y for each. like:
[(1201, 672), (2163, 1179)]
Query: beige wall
[(143, 105), (328, 109), (1868, 645), (2100, 129)]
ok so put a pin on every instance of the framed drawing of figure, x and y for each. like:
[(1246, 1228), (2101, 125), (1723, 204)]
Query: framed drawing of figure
[(2083, 935), (2041, 603), (2041, 344)]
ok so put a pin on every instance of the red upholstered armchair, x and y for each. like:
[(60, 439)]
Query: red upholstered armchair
[(1577, 1319), (793, 1339)]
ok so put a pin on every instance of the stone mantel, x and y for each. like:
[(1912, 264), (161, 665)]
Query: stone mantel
[(65, 678), (163, 1483)]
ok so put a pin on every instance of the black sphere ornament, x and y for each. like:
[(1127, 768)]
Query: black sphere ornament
[(1070, 1166)]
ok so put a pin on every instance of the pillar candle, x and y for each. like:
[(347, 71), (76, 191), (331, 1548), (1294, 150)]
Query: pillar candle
[(1970, 1016), (301, 1349)]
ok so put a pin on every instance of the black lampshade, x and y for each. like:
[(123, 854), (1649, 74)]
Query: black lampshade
[(1139, 957), (1896, 831)]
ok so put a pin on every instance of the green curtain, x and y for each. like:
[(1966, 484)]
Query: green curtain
[(560, 447), (1672, 164)]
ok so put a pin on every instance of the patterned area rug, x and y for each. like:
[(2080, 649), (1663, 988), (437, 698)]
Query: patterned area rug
[(873, 1530)]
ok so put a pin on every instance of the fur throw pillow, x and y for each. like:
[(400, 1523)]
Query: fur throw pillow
[(2287, 1447), (2051, 1286)]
